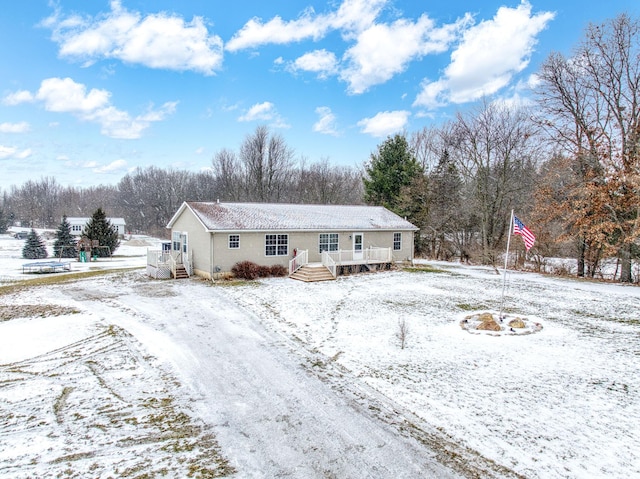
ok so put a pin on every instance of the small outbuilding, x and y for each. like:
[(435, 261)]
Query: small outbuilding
[(209, 238)]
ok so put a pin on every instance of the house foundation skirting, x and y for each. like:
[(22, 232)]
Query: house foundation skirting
[(159, 272)]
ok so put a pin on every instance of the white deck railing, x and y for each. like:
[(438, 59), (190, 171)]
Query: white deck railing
[(157, 258), (368, 255), (299, 261), (329, 263), (170, 260)]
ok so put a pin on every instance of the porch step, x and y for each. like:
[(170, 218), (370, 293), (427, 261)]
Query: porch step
[(181, 273), (310, 273)]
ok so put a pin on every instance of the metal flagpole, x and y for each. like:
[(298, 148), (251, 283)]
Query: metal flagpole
[(506, 259)]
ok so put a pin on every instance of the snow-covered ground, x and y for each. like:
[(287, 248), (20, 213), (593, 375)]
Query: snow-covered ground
[(117, 375)]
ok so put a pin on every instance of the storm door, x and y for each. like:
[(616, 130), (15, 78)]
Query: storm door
[(358, 239)]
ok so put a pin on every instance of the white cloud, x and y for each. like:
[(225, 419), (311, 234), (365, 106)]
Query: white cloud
[(114, 166), (278, 31), (8, 152), (352, 16), (157, 40), (488, 57), (326, 124), (64, 95), (22, 96), (382, 51), (21, 127), (259, 111), (322, 62), (384, 123), (265, 111)]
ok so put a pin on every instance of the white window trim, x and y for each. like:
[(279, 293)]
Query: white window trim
[(277, 244), (394, 241), (229, 241), (329, 243)]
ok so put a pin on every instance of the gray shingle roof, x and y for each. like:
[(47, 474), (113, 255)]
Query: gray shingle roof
[(290, 217)]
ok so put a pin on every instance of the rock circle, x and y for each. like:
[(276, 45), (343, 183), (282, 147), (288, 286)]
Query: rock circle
[(494, 325)]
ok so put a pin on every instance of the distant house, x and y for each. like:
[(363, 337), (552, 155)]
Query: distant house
[(210, 238), (78, 224)]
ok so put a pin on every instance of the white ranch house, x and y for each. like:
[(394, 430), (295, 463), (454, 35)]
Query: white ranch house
[(77, 225), (313, 241)]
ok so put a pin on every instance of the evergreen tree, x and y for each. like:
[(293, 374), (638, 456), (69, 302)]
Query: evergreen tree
[(4, 221), (100, 229), (414, 205), (393, 168), (34, 246), (65, 243)]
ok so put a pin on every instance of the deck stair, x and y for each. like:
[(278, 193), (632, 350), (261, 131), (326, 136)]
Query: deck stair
[(181, 272), (312, 272)]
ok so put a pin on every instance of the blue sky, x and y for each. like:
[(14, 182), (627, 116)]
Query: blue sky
[(91, 90)]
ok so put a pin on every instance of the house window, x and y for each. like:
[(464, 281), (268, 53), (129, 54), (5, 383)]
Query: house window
[(397, 241), (234, 241), (176, 240), (328, 242), (276, 245)]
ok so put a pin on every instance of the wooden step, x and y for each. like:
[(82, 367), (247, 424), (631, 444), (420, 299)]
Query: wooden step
[(181, 273), (311, 273)]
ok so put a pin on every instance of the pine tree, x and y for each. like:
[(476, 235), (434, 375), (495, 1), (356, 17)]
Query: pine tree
[(3, 222), (393, 168), (99, 229), (65, 243), (34, 247)]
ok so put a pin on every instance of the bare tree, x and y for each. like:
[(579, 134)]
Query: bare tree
[(495, 152), (427, 145), (403, 332), (268, 163), (591, 107), (227, 172), (322, 183)]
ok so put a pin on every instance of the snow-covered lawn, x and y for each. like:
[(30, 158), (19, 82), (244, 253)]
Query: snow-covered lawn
[(279, 377), (564, 402)]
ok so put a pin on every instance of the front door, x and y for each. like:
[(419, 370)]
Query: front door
[(357, 246), (179, 246)]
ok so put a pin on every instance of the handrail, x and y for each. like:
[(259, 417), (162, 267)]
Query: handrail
[(298, 261), (329, 263), (173, 264)]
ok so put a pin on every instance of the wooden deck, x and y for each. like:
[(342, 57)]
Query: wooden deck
[(339, 263)]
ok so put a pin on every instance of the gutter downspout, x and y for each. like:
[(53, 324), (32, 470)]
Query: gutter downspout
[(211, 264)]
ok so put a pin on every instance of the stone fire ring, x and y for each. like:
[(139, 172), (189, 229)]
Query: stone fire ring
[(492, 325)]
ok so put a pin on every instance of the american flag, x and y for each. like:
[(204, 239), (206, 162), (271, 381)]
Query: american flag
[(519, 228)]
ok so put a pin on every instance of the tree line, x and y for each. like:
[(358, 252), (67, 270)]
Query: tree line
[(264, 171), (567, 162)]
